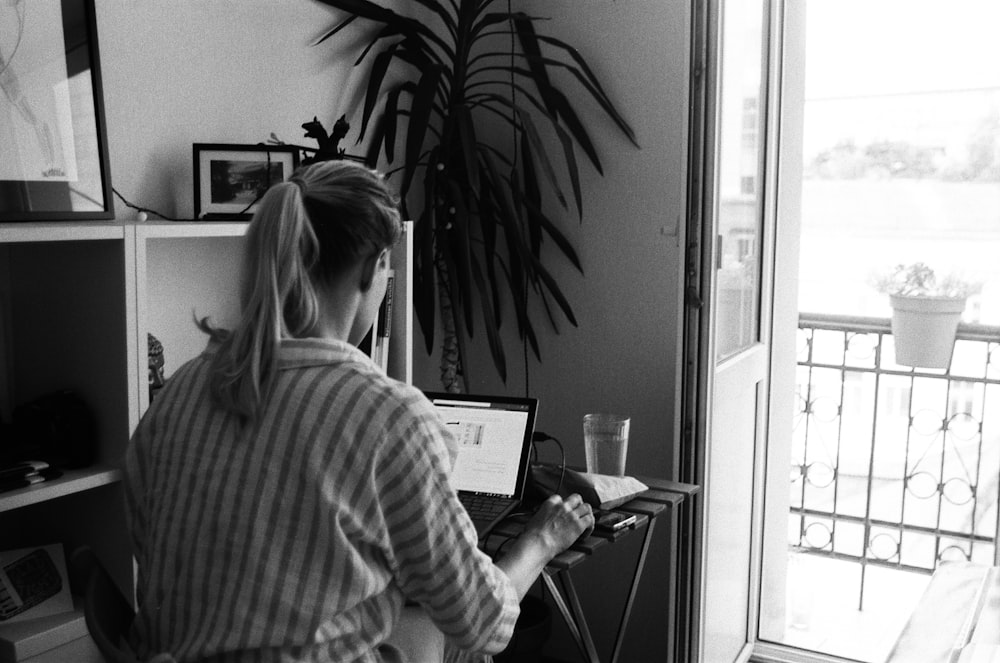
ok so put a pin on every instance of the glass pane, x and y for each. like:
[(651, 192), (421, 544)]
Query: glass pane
[(740, 135)]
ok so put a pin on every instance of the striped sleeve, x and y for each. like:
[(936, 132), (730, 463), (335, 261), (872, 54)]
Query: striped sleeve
[(431, 541)]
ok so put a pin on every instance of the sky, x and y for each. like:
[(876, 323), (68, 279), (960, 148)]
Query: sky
[(860, 47)]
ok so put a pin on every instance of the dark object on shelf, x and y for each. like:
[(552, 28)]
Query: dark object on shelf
[(208, 216), (57, 428), (534, 625), (26, 473), (156, 362), (329, 145)]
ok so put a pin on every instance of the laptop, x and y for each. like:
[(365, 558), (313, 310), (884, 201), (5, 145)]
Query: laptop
[(494, 447)]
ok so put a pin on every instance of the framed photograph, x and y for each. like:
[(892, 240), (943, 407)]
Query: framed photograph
[(53, 140), (230, 179)]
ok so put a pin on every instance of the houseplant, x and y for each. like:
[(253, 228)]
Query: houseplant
[(467, 107), (926, 311)]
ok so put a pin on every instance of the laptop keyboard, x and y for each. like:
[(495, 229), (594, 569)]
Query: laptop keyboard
[(482, 508)]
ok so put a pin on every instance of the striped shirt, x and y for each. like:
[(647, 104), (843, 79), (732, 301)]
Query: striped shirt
[(299, 537)]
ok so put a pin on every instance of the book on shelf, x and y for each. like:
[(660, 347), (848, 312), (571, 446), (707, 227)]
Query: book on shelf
[(383, 324), (376, 342)]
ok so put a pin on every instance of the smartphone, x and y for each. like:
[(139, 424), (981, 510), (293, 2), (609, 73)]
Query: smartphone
[(612, 521)]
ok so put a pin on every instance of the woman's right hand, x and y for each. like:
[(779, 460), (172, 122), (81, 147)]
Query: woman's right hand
[(554, 527), (559, 522)]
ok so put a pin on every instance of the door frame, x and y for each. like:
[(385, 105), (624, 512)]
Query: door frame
[(699, 363)]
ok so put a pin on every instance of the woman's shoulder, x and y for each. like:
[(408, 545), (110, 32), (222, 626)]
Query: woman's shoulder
[(404, 395)]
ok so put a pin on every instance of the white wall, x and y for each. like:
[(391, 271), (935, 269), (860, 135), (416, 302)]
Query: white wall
[(213, 71), (188, 71)]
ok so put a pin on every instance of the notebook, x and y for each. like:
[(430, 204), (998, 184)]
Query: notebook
[(494, 444)]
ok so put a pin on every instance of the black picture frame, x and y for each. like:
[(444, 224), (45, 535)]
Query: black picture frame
[(53, 136), (229, 178)]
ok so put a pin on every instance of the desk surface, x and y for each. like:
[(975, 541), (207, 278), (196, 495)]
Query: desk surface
[(662, 494)]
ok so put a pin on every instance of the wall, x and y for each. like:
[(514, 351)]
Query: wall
[(213, 71), (227, 71), (624, 355)]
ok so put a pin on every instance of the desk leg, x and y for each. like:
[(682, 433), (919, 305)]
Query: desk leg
[(636, 575), (572, 614)]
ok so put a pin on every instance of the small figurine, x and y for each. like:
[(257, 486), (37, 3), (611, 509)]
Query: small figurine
[(155, 351), (329, 145)]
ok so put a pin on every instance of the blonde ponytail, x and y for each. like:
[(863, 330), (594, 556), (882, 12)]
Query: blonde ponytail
[(305, 231)]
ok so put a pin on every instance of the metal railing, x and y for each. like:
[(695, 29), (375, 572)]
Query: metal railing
[(894, 466)]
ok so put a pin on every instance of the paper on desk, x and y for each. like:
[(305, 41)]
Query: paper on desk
[(601, 491)]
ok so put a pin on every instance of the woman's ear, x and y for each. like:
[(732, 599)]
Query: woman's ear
[(371, 265)]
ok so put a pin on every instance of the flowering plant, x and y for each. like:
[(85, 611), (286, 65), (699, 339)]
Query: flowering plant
[(919, 280)]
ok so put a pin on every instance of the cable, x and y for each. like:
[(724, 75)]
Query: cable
[(536, 437), (539, 436), (145, 209), (260, 194)]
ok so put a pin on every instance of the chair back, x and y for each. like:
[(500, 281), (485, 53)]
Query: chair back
[(108, 613)]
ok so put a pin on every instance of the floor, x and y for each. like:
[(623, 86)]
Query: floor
[(823, 601)]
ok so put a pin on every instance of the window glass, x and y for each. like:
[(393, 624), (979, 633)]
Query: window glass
[(740, 191)]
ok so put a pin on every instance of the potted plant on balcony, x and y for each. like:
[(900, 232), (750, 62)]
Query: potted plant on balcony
[(926, 311)]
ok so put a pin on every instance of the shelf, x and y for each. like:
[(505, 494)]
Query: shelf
[(81, 650), (56, 231), (172, 229), (72, 481)]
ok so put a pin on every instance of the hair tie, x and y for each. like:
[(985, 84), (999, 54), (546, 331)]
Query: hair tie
[(302, 186)]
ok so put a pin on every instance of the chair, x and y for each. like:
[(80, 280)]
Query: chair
[(107, 612)]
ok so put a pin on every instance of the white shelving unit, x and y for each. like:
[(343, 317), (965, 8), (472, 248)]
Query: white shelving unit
[(183, 270), (77, 301), (65, 317)]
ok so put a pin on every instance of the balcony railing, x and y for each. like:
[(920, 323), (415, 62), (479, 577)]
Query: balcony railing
[(894, 466)]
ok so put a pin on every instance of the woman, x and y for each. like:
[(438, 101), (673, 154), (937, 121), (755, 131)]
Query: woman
[(285, 496)]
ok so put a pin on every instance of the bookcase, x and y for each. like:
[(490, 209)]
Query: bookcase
[(77, 301)]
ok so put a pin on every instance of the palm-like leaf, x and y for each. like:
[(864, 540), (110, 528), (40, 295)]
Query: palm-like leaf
[(482, 224)]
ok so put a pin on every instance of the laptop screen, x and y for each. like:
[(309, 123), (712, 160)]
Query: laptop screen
[(494, 441)]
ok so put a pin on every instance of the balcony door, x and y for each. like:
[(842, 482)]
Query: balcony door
[(730, 300)]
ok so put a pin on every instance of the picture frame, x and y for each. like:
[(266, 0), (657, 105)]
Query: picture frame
[(230, 178), (53, 136)]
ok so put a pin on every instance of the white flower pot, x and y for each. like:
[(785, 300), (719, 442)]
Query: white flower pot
[(923, 329)]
